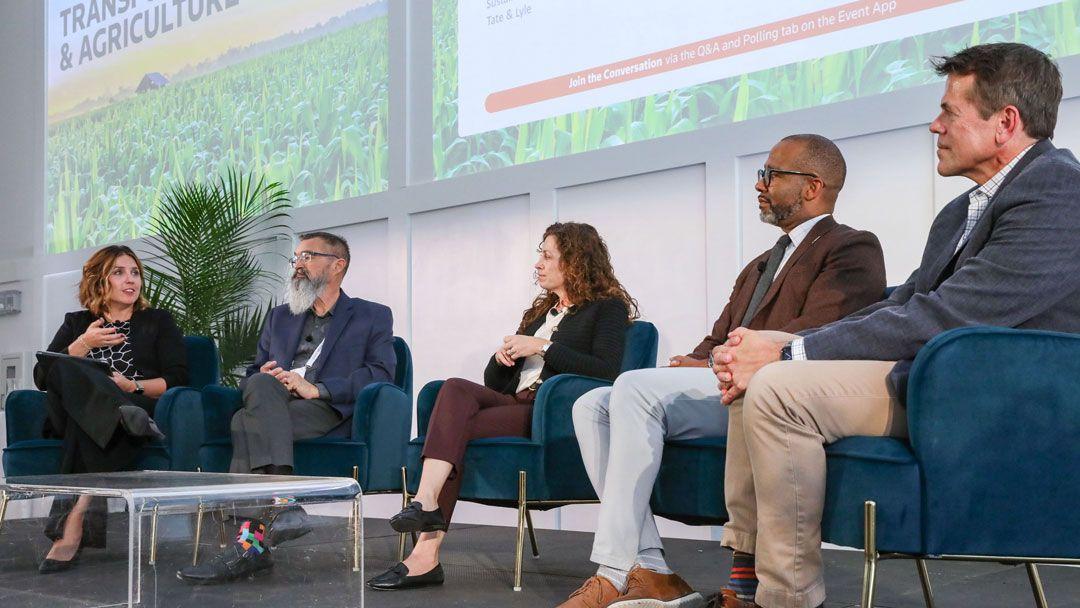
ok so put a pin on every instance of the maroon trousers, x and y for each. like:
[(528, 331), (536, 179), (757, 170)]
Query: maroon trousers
[(464, 411)]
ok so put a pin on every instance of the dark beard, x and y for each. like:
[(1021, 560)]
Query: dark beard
[(774, 215)]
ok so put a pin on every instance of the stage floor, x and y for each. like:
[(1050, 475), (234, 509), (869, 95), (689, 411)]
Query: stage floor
[(478, 561)]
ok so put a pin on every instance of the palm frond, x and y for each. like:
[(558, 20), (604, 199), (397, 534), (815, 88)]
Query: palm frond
[(206, 245)]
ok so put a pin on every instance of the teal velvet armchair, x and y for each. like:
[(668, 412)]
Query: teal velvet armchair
[(991, 471), (369, 446), (177, 414), (542, 471)]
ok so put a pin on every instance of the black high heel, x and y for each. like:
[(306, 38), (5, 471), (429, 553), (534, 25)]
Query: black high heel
[(49, 566)]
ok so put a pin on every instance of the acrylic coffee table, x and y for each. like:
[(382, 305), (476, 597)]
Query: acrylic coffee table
[(150, 496)]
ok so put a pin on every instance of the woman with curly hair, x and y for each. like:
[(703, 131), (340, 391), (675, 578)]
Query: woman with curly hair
[(577, 325), (104, 417)]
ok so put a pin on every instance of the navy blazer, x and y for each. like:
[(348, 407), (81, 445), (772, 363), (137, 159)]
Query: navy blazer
[(358, 348), (1019, 268)]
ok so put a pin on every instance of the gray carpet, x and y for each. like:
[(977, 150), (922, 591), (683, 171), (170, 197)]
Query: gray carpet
[(478, 560)]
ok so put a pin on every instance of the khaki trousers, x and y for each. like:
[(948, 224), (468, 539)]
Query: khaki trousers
[(775, 472)]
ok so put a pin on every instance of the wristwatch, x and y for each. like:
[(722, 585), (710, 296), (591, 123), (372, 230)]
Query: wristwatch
[(785, 352), (544, 349), (139, 389)]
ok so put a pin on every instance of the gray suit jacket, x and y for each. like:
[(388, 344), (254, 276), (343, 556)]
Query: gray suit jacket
[(1020, 268)]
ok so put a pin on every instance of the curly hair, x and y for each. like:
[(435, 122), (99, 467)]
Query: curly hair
[(586, 266), (94, 285)]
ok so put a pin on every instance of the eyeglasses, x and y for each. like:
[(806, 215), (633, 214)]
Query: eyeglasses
[(305, 257), (765, 175)]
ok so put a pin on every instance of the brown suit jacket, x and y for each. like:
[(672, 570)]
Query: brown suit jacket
[(835, 271)]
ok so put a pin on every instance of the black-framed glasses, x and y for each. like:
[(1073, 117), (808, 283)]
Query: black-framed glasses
[(305, 257), (765, 175)]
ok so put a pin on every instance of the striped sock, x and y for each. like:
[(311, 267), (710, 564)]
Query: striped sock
[(653, 559), (743, 578), (616, 576)]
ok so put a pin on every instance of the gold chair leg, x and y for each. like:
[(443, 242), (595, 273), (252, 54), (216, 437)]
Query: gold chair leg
[(198, 534), (223, 539), (870, 553), (522, 511), (358, 526), (1036, 585), (153, 537), (532, 534), (924, 580), (404, 503), (3, 507)]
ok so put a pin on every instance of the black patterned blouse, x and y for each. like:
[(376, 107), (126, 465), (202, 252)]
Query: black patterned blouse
[(120, 357)]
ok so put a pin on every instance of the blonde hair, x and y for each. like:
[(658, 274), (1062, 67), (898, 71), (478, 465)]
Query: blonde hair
[(94, 286)]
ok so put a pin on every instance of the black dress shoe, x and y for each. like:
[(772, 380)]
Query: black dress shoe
[(398, 577), (49, 566), (248, 556), (414, 518), (288, 524)]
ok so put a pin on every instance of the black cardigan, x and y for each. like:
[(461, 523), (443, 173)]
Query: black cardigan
[(589, 342), (156, 343)]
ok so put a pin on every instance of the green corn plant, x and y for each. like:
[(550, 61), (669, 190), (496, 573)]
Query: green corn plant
[(281, 115)]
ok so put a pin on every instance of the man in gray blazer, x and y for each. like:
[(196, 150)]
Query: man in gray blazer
[(1006, 253)]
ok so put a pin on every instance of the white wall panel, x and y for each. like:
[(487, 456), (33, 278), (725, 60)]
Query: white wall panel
[(61, 293), (654, 225), (888, 193), (369, 248)]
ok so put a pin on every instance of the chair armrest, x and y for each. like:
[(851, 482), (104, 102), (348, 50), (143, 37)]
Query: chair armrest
[(219, 403), (24, 415), (552, 420), (993, 416), (382, 418), (425, 403), (553, 429), (179, 415)]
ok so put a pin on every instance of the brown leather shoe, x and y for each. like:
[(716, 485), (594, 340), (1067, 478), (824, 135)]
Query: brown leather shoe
[(597, 592), (648, 589), (727, 599)]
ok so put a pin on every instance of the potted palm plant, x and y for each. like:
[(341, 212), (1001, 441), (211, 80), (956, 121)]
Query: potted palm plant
[(205, 252)]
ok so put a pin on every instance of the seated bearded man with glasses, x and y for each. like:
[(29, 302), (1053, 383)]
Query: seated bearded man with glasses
[(316, 352), (818, 271)]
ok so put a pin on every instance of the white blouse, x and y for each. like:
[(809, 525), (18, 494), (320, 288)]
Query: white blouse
[(534, 364)]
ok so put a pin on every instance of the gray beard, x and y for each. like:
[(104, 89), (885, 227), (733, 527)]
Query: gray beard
[(774, 216), (301, 293)]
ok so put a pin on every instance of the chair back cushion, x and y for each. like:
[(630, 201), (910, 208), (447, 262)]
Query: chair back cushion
[(202, 360), (641, 342), (403, 369)]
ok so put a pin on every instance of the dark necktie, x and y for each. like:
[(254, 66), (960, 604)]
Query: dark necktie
[(766, 279)]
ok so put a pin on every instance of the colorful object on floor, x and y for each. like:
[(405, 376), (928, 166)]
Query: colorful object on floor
[(280, 501), (251, 537)]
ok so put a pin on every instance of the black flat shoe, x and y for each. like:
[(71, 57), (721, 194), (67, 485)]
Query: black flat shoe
[(247, 557), (414, 518), (288, 524), (50, 566), (398, 577)]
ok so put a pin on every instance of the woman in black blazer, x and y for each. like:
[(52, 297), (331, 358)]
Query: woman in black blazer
[(104, 418), (577, 325)]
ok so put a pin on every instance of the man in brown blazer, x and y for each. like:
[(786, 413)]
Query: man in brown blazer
[(818, 272)]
